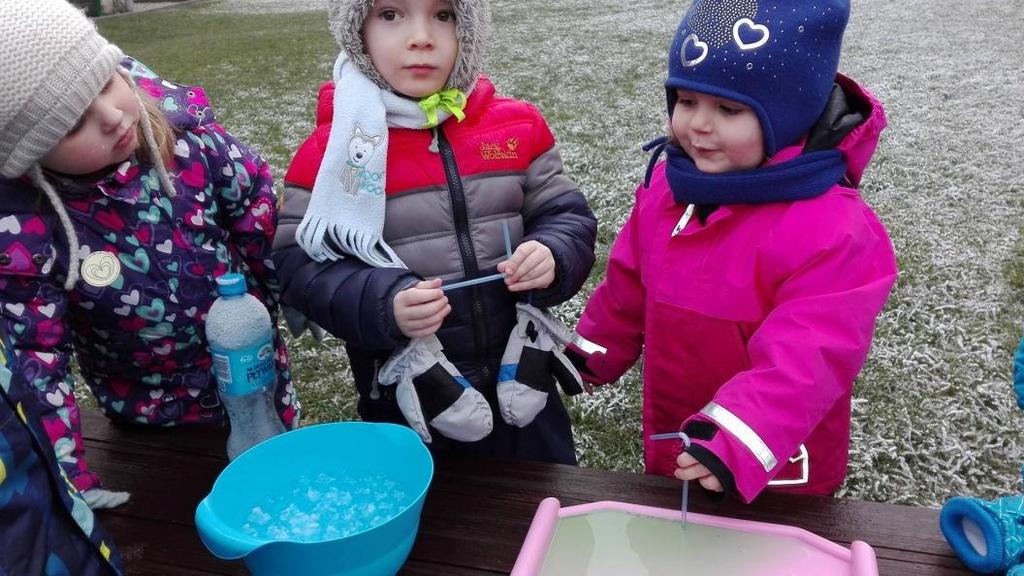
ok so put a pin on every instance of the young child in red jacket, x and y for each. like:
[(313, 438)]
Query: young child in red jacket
[(408, 183)]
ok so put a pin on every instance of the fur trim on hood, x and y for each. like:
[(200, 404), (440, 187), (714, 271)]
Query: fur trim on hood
[(472, 27)]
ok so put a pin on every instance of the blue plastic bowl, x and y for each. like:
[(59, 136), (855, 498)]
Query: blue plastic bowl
[(277, 467)]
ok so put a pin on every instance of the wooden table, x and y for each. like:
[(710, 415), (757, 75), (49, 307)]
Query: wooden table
[(476, 514)]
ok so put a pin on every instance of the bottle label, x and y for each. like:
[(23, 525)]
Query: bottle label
[(241, 372)]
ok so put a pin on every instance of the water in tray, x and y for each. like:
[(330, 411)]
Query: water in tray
[(614, 543)]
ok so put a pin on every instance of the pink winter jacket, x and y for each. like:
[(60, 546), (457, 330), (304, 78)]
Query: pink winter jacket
[(752, 325)]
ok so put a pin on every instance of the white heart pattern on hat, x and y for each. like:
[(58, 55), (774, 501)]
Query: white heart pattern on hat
[(10, 224), (692, 39), (747, 22)]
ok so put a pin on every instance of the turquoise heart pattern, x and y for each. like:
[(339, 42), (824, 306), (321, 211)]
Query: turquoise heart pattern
[(138, 262)]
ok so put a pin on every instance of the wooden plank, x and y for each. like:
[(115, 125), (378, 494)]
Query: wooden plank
[(156, 547), (165, 487), (168, 472), (896, 568), (902, 536), (477, 511), (416, 568), (192, 440), (884, 525)]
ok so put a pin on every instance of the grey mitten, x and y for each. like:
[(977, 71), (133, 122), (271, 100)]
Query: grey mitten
[(431, 391), (532, 361), (298, 324), (102, 499)]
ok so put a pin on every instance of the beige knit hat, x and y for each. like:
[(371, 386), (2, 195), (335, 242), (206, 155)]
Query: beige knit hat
[(472, 28), (54, 65)]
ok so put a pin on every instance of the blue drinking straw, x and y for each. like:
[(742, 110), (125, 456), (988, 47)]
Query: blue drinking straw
[(492, 277), (684, 506), (472, 282), (508, 242)]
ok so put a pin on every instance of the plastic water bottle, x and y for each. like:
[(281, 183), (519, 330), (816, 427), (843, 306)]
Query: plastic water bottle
[(241, 341)]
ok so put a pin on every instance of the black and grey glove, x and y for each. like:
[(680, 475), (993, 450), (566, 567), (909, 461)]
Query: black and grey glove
[(532, 362), (431, 391)]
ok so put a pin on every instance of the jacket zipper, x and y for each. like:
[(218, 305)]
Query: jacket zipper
[(683, 221), (374, 384), (457, 194)]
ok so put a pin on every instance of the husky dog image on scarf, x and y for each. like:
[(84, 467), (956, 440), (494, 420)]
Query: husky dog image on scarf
[(360, 150)]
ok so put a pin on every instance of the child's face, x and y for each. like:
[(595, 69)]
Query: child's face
[(721, 135), (412, 44), (106, 134)]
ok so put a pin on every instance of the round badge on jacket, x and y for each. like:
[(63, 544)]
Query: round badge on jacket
[(100, 269)]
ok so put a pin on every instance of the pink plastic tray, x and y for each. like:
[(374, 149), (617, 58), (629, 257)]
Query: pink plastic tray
[(784, 550)]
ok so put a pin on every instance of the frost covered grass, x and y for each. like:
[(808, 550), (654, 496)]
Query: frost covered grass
[(263, 6), (934, 413)]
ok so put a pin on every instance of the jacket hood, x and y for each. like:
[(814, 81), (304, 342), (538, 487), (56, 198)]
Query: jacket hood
[(472, 29), (851, 123), (185, 106), (859, 145), (835, 150)]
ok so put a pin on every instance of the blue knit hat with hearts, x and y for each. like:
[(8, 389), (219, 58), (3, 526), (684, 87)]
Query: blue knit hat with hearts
[(779, 57)]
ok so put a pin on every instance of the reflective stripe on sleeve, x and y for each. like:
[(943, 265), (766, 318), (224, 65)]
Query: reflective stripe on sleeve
[(745, 434)]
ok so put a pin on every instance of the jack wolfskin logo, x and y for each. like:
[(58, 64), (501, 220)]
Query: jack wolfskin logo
[(507, 151)]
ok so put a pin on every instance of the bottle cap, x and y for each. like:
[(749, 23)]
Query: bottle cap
[(232, 284)]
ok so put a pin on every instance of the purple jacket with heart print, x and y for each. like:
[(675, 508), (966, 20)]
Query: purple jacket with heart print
[(136, 317)]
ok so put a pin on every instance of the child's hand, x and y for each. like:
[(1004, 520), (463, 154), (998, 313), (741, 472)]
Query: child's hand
[(690, 469), (531, 266), (420, 310)]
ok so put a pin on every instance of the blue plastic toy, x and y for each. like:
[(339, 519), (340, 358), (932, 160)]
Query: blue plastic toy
[(987, 536), (281, 464), (1018, 374)]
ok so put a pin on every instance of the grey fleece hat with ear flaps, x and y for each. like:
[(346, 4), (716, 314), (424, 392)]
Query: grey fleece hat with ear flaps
[(54, 65), (472, 27)]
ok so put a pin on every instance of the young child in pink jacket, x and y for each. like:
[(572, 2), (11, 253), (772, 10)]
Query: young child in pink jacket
[(750, 272)]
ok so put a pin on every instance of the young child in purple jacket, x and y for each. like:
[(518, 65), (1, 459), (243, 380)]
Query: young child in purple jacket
[(122, 200)]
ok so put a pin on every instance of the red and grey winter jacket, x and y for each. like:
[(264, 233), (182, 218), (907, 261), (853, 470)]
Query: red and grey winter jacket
[(444, 217)]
